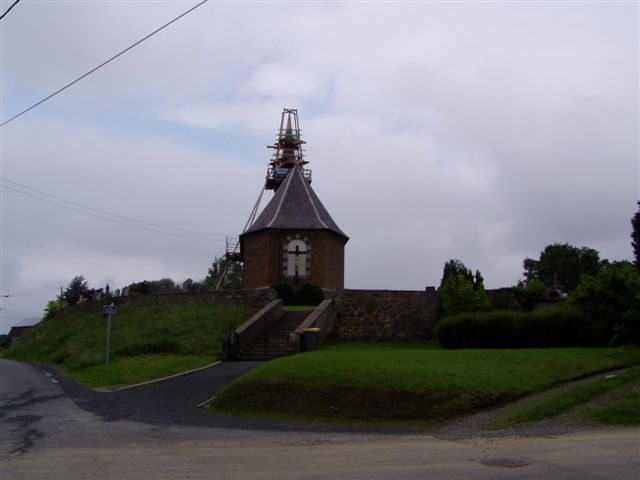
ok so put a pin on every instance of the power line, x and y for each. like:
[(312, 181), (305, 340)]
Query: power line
[(113, 220), (27, 294), (104, 63), (9, 9), (156, 225)]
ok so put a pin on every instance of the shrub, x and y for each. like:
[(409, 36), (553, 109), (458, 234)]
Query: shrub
[(307, 294), (310, 295), (531, 292), (612, 299), (286, 293), (53, 307), (560, 327), (164, 285)]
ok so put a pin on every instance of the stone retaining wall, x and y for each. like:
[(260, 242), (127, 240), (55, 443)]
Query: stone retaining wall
[(385, 314), (256, 298), (359, 314), (397, 315), (504, 299)]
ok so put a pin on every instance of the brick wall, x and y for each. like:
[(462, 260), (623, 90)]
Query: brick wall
[(258, 255), (265, 258)]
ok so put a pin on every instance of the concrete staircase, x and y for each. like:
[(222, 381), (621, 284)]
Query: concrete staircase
[(275, 341)]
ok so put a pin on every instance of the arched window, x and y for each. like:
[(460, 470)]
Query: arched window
[(297, 259)]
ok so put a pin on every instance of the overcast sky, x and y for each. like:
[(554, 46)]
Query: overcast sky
[(480, 131)]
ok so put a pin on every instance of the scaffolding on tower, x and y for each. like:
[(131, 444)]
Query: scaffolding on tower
[(288, 151), (288, 154)]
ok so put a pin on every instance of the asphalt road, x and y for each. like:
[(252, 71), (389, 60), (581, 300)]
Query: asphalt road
[(47, 432)]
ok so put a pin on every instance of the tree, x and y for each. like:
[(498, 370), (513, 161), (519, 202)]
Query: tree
[(233, 279), (77, 287), (462, 291), (53, 306), (612, 299), (635, 236), (561, 265), (455, 267), (164, 285)]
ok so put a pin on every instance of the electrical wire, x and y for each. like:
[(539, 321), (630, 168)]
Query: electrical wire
[(27, 294), (103, 63), (113, 220), (9, 9), (156, 225)]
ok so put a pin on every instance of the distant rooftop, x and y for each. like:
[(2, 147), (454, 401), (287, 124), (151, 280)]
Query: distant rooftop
[(28, 322)]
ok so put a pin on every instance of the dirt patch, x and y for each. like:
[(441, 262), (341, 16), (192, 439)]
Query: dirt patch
[(347, 402)]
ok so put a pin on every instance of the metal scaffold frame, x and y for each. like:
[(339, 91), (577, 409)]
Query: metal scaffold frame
[(288, 154)]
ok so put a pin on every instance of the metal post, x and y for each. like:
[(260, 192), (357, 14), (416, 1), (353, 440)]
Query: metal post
[(106, 353), (266, 338)]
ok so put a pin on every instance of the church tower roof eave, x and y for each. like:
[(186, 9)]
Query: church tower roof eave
[(273, 229)]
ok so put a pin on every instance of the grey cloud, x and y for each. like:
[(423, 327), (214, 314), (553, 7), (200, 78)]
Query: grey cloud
[(481, 132)]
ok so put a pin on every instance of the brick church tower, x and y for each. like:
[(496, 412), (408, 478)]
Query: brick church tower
[(294, 239)]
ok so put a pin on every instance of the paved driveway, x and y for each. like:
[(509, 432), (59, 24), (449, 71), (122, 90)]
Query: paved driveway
[(171, 401)]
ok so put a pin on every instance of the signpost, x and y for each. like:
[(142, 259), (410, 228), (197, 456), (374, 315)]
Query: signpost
[(108, 310)]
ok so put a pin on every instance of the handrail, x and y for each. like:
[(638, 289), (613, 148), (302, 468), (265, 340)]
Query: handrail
[(272, 174), (322, 318), (250, 330)]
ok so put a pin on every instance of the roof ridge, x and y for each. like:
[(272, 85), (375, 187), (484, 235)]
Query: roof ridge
[(287, 182), (313, 204)]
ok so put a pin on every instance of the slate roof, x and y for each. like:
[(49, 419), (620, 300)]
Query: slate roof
[(295, 206)]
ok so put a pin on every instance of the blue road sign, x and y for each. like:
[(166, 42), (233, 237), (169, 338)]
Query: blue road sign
[(109, 309)]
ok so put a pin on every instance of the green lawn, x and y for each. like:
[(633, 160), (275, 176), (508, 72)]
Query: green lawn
[(127, 370), (147, 341), (298, 308), (406, 382)]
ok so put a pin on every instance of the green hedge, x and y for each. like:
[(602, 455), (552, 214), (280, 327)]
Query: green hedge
[(307, 294), (560, 327)]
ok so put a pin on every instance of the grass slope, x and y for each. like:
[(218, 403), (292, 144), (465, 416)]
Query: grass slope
[(567, 401), (625, 411), (400, 382), (147, 341)]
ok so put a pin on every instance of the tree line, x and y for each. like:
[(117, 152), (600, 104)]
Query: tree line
[(604, 293)]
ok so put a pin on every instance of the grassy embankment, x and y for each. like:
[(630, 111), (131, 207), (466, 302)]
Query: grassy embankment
[(147, 341), (405, 383), (624, 409)]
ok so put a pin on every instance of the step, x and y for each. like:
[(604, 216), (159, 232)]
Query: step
[(277, 338)]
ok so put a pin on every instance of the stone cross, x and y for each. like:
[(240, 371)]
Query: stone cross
[(297, 253)]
